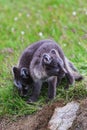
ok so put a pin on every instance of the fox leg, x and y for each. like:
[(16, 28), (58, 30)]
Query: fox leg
[(35, 92), (52, 83)]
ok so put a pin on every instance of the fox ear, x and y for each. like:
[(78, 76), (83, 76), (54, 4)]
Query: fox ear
[(14, 70), (53, 51), (46, 58), (24, 72)]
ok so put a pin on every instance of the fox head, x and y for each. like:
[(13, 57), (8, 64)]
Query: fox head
[(22, 80), (53, 63)]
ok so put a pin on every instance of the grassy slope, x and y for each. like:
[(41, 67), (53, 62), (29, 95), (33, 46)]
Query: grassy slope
[(54, 19)]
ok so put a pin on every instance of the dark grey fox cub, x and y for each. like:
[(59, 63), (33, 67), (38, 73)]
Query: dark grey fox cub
[(22, 79), (43, 61), (50, 64)]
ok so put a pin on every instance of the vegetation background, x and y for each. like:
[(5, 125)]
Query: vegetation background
[(26, 21)]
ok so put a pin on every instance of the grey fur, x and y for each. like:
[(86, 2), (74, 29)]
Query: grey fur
[(35, 67), (22, 70), (40, 74)]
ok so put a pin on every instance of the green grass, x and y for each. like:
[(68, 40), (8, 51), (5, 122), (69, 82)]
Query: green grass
[(55, 20)]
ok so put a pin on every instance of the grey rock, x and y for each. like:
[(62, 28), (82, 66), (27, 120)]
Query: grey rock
[(63, 117)]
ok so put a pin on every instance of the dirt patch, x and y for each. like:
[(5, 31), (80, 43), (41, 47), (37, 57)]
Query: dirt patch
[(80, 122), (38, 121), (7, 50)]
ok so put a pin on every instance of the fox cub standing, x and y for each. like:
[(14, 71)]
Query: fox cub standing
[(22, 78), (43, 61)]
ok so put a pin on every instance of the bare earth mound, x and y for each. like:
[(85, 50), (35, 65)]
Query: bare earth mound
[(38, 121)]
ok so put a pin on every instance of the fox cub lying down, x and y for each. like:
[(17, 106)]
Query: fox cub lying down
[(43, 61)]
